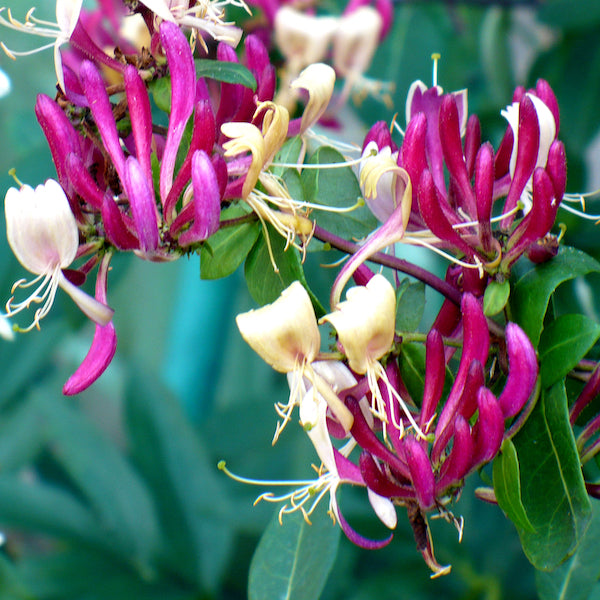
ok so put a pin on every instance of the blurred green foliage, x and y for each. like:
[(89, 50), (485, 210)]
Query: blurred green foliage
[(115, 493)]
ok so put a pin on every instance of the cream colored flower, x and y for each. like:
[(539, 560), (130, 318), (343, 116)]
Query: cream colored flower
[(365, 323), (43, 235), (286, 336), (285, 333), (303, 39), (318, 80)]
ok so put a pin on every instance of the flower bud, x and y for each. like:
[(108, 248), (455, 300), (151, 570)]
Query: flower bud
[(522, 374)]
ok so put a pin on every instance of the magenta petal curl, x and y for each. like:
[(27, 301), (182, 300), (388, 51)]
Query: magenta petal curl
[(207, 200), (488, 429), (103, 346), (141, 118), (421, 473)]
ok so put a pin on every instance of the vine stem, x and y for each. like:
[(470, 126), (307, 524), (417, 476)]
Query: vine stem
[(398, 264)]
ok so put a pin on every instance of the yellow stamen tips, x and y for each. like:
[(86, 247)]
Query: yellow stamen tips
[(13, 173), (318, 80), (435, 57), (309, 491)]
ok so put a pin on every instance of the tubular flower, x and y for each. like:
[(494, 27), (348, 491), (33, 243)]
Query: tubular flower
[(365, 325), (42, 233), (286, 336), (456, 180)]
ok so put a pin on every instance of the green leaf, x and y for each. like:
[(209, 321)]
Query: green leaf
[(412, 369), (575, 579), (289, 154), (264, 283), (293, 560), (552, 488), (566, 14), (115, 490), (228, 72), (78, 574), (507, 486), (336, 187), (22, 436), (192, 504), (495, 297), (161, 93), (563, 343), (410, 304), (531, 294), (227, 249), (44, 508), (12, 587)]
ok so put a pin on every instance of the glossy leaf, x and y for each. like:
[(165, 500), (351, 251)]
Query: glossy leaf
[(337, 188), (531, 294), (575, 579), (161, 93), (507, 486), (293, 560), (563, 343), (495, 297), (227, 249), (264, 283), (289, 154), (552, 487), (412, 369), (227, 72), (410, 304)]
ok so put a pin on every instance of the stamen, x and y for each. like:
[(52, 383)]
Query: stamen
[(435, 57), (310, 491), (44, 294)]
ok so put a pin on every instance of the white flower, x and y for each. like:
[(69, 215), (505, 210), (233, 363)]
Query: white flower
[(43, 235), (286, 336), (205, 16), (67, 15)]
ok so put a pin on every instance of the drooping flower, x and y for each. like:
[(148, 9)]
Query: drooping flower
[(42, 233), (285, 334)]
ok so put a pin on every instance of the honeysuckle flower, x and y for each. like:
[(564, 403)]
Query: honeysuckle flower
[(67, 15), (202, 17), (534, 129), (356, 38), (285, 335), (43, 235), (365, 326), (302, 38), (318, 80), (394, 227)]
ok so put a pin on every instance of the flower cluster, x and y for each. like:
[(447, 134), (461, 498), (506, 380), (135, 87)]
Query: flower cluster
[(126, 183), (407, 189), (411, 452), (160, 125)]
